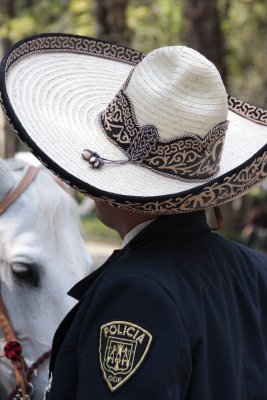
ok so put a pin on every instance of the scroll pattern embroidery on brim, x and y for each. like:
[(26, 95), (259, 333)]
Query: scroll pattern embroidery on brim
[(189, 157), (218, 193), (75, 44), (247, 111)]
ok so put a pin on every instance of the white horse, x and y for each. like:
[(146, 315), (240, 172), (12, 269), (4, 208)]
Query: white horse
[(42, 254)]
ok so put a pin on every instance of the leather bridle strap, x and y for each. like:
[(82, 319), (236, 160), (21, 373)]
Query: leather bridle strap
[(19, 366), (19, 188)]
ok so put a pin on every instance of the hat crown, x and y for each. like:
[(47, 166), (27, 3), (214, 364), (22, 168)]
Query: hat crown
[(54, 86), (179, 91)]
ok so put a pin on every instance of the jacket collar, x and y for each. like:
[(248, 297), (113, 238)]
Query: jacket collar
[(78, 290), (170, 225), (164, 226)]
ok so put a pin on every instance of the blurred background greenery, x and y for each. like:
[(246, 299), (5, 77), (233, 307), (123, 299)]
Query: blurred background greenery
[(231, 33), (94, 230)]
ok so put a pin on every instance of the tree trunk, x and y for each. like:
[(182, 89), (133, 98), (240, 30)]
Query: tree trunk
[(8, 141), (111, 22), (7, 8), (202, 31)]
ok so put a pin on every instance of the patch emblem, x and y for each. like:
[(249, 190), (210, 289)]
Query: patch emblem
[(122, 349)]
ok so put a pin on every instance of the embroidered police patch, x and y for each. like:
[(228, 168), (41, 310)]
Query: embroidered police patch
[(122, 349)]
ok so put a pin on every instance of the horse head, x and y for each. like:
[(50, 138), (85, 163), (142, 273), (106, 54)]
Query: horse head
[(42, 254)]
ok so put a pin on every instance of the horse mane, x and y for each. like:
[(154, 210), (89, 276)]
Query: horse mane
[(56, 204)]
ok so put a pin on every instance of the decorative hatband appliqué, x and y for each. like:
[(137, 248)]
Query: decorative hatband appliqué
[(233, 184), (188, 157)]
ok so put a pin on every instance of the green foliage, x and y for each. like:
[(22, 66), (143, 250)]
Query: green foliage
[(245, 30), (232, 235), (155, 23), (256, 195), (73, 16), (16, 28), (94, 230)]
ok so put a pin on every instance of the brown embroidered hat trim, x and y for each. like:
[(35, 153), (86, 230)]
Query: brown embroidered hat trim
[(54, 87), (187, 157), (245, 110), (220, 192), (74, 44)]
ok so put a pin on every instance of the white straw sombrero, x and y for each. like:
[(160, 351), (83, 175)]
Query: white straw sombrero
[(154, 134)]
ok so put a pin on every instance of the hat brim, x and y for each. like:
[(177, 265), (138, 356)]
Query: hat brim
[(53, 88)]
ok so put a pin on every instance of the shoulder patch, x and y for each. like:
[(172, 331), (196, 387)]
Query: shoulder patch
[(123, 347)]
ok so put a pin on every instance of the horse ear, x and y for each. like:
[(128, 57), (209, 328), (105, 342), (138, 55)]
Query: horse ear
[(7, 180)]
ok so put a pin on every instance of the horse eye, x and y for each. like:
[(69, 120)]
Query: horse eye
[(26, 272)]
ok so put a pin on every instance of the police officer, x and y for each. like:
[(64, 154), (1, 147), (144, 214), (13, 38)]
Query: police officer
[(179, 312)]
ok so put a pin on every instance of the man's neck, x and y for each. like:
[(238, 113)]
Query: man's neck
[(121, 220)]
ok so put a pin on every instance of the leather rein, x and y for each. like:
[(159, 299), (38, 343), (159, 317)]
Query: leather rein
[(12, 347)]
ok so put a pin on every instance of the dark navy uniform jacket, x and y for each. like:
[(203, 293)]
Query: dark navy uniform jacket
[(179, 313)]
